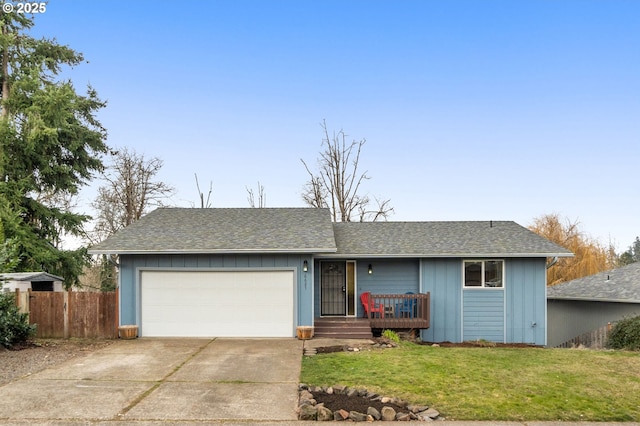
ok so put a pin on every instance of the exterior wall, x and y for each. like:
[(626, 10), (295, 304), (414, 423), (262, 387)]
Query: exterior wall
[(26, 286), (526, 301), (571, 318), (443, 279), (389, 276), (130, 274), (483, 315), (514, 314)]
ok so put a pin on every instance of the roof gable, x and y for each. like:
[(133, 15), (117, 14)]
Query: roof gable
[(617, 285), (225, 230), (443, 239)]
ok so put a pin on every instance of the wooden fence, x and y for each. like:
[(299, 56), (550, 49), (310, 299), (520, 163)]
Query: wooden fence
[(594, 339), (71, 314)]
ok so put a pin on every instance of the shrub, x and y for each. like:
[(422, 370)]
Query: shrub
[(391, 335), (14, 325), (626, 334)]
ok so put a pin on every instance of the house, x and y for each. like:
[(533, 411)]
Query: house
[(585, 304), (34, 281), (265, 272)]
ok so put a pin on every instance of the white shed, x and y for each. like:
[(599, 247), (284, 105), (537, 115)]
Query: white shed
[(34, 281)]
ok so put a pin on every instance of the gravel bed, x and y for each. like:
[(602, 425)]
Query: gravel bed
[(31, 357)]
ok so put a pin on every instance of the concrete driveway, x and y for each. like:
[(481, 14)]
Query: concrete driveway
[(164, 380)]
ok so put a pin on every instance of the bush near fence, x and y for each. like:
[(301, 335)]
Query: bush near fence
[(70, 314)]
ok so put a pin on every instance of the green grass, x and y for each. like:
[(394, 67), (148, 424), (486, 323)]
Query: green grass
[(493, 383)]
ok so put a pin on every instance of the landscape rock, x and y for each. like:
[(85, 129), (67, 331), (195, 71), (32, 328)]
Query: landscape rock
[(417, 408), (308, 412), (403, 417), (357, 417), (388, 414), (374, 413), (431, 413), (355, 401), (340, 415), (324, 414)]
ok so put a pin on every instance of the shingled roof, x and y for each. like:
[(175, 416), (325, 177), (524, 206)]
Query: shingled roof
[(307, 230), (29, 276), (225, 230), (617, 285), (442, 239)]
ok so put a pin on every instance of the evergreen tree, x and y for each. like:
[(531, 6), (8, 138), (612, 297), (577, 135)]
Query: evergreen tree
[(50, 145), (632, 255)]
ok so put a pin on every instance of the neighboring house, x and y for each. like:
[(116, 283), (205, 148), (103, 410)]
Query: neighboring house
[(582, 305), (35, 281), (265, 272)]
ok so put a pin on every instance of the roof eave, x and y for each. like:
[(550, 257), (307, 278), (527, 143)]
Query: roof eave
[(306, 250), (593, 299), (446, 255)]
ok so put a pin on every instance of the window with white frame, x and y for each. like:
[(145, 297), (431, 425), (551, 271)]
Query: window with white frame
[(483, 273)]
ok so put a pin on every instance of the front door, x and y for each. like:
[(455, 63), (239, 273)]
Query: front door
[(337, 288)]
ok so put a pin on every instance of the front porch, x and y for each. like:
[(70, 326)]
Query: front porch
[(399, 311), (391, 311)]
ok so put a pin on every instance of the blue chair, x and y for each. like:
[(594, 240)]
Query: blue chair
[(406, 307)]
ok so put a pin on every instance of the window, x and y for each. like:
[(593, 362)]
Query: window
[(483, 273)]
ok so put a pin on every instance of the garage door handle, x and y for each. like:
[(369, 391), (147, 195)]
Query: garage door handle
[(344, 289)]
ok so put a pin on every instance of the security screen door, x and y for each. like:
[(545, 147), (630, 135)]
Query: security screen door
[(337, 288)]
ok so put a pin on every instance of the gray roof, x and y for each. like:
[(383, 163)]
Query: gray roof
[(225, 230), (442, 239), (617, 285), (30, 276)]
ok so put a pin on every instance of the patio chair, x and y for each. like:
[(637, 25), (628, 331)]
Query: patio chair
[(406, 307), (370, 306)]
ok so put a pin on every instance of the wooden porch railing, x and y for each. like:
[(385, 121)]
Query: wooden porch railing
[(401, 311)]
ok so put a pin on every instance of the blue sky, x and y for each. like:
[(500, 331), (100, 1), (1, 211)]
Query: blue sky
[(472, 110)]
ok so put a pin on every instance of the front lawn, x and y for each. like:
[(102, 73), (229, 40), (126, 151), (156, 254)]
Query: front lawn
[(493, 383)]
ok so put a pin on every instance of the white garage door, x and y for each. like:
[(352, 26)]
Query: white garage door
[(217, 304)]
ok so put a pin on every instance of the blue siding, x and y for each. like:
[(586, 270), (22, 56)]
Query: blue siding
[(483, 315), (443, 279), (526, 301), (389, 276), (129, 265), (516, 314)]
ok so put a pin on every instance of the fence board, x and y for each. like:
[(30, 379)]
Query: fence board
[(46, 309), (92, 315), (594, 339), (84, 315)]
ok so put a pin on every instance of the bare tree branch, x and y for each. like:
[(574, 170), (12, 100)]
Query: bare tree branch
[(204, 205), (338, 183), (262, 197), (130, 191)]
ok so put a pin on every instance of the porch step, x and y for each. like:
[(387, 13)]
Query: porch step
[(342, 328)]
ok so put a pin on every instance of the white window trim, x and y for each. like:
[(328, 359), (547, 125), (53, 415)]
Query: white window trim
[(482, 286)]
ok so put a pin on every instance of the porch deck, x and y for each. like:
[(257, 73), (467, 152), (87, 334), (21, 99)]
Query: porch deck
[(401, 311)]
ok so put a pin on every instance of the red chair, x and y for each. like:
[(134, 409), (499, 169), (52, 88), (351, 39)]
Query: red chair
[(370, 306)]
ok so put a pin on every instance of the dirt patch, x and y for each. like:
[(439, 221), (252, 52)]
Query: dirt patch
[(479, 344), (33, 356)]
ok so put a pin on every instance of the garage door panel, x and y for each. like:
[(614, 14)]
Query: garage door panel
[(220, 303)]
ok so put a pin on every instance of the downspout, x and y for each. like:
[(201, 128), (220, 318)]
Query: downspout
[(553, 262)]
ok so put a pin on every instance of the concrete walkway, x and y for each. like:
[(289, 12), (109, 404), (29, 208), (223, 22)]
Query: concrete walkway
[(165, 380)]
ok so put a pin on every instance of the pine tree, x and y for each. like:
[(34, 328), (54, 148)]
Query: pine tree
[(50, 146)]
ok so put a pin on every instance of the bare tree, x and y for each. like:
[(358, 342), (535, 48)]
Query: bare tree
[(262, 197), (203, 204), (130, 191), (337, 184)]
